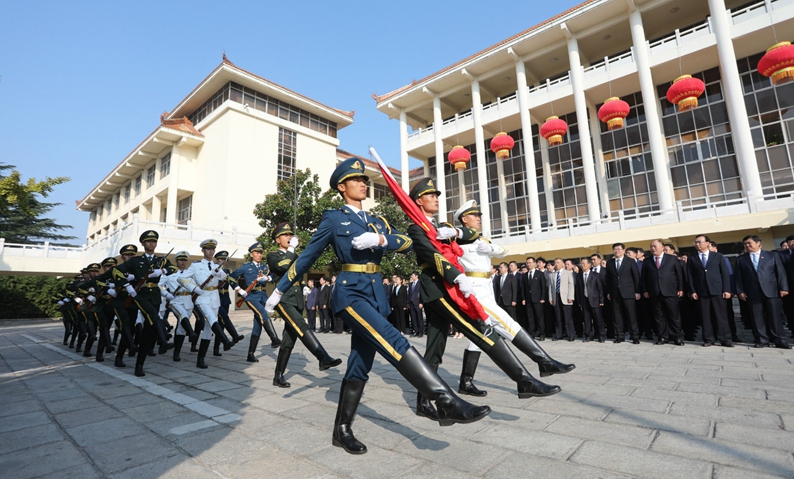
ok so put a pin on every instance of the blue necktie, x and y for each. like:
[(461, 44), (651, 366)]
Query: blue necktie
[(755, 260), (558, 282), (703, 259), (363, 216)]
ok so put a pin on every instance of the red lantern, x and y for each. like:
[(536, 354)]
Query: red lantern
[(553, 130), (778, 63), (613, 111), (501, 144), (685, 91), (459, 156)]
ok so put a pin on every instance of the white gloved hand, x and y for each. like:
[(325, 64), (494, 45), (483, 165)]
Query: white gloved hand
[(445, 233), (242, 293), (263, 279), (78, 300), (112, 292), (483, 247), (65, 300), (61, 303), (293, 243), (220, 274), (155, 273), (272, 301), (130, 277), (488, 321), (366, 241), (91, 290), (91, 298), (169, 296), (198, 290), (131, 290), (465, 285)]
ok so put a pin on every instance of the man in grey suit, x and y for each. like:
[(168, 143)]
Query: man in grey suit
[(761, 281), (562, 291), (590, 292)]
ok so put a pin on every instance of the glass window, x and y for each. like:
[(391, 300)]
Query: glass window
[(165, 166), (185, 212), (137, 181), (150, 176), (287, 153), (127, 193)]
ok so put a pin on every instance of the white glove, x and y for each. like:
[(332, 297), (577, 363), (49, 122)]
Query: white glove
[(445, 232), (488, 321), (91, 298), (169, 296), (293, 243), (272, 301), (155, 273), (61, 303), (131, 290), (198, 290), (65, 300), (91, 290), (241, 292), (112, 292), (366, 241), (78, 300), (220, 274), (465, 285), (263, 279), (483, 247), (130, 277)]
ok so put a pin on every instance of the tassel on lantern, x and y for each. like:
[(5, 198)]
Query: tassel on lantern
[(778, 63), (553, 130), (458, 157), (501, 144)]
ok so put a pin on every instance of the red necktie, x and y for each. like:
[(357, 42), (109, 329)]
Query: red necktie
[(658, 260)]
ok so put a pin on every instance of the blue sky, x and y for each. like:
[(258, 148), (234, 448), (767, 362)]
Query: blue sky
[(82, 83)]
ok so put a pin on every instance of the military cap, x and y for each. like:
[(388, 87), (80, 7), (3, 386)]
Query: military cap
[(149, 235), (423, 187), (128, 249), (209, 243), (281, 229), (182, 255), (111, 261), (78, 277), (84, 270), (468, 208), (350, 168), (258, 246), (222, 255), (93, 267)]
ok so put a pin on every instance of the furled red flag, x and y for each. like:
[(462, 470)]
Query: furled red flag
[(470, 305)]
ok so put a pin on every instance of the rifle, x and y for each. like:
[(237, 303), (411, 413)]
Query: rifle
[(251, 286), (195, 295), (128, 301)]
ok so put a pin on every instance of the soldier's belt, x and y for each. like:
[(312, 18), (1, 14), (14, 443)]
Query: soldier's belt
[(260, 288), (474, 274), (150, 285), (424, 266), (209, 288), (224, 291), (183, 293), (369, 268)]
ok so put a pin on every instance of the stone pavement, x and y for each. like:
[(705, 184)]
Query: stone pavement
[(626, 411)]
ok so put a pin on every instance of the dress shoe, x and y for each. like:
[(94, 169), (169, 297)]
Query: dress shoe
[(541, 338), (618, 340), (659, 342), (759, 345), (678, 342), (708, 344), (601, 340), (635, 341), (139, 370), (782, 345), (727, 344), (649, 336), (555, 338), (570, 340), (586, 340), (736, 339)]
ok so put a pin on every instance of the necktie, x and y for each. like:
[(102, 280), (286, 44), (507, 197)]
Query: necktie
[(363, 216), (617, 264), (502, 283), (755, 260), (585, 286), (703, 259), (658, 261), (209, 266), (558, 281)]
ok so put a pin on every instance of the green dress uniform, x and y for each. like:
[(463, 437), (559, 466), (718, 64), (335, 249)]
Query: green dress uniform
[(291, 308)]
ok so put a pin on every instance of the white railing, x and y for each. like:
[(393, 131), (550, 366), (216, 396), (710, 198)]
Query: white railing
[(746, 13), (45, 250), (420, 131), (551, 85), (681, 37), (610, 62)]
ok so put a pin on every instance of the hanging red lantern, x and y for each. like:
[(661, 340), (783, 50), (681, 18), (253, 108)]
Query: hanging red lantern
[(501, 144), (613, 111), (553, 130), (685, 91), (778, 63), (459, 156)]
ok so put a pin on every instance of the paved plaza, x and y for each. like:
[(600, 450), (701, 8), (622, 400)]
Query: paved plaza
[(626, 411)]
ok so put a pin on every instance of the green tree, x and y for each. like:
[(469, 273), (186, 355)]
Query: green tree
[(395, 263), (30, 296)]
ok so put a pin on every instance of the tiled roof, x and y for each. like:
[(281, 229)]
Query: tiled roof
[(180, 124)]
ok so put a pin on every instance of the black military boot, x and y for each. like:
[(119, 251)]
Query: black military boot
[(281, 367), (126, 340), (252, 349), (203, 347), (75, 331), (236, 338), (116, 334), (546, 364), (139, 364), (271, 332), (198, 330), (120, 355), (80, 339), (349, 397), (66, 336), (159, 332), (178, 341), (217, 328), (470, 360), (216, 347), (424, 407), (100, 348), (450, 408), (191, 335), (313, 345), (105, 333), (89, 343), (507, 361)]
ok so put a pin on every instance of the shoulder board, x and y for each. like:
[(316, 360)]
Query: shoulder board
[(199, 261), (386, 222), (284, 262)]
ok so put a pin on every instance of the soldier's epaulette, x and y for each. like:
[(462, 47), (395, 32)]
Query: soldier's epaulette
[(404, 241), (172, 269), (284, 262), (199, 261), (386, 222)]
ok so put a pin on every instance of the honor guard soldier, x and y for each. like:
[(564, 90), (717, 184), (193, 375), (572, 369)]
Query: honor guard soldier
[(98, 308), (359, 241), (91, 320), (476, 260), (251, 278), (79, 309), (442, 311), (178, 288), (291, 307), (146, 269), (223, 313), (124, 314), (69, 320)]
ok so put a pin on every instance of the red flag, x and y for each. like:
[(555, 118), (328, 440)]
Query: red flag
[(470, 305)]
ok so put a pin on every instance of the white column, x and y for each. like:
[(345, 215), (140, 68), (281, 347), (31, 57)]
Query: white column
[(500, 176), (577, 82), (734, 100), (529, 152), (155, 211), (439, 141), (404, 150), (544, 158), (661, 162), (598, 156), (479, 143), (173, 185)]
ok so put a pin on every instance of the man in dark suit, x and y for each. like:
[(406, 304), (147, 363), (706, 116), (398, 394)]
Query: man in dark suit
[(710, 287), (623, 289), (787, 256), (519, 310), (590, 291), (535, 297), (311, 305), (415, 306), (761, 281), (399, 303), (508, 291), (324, 305), (606, 311), (663, 284), (714, 248)]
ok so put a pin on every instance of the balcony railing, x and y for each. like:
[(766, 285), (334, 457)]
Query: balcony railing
[(550, 85), (682, 37), (609, 63)]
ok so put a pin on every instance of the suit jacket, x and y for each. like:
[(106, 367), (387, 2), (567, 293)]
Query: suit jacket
[(767, 282), (595, 289), (535, 289), (602, 275), (508, 291), (324, 296), (313, 298), (567, 287), (624, 283), (710, 280), (666, 281), (519, 286), (400, 297), (413, 293)]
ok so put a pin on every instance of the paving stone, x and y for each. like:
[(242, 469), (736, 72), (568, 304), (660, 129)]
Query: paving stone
[(132, 451), (678, 397), (179, 466), (84, 471), (721, 390), (389, 464), (467, 457), (41, 460), (747, 417), (776, 439), (525, 465), (630, 403), (614, 433), (298, 438), (777, 407), (644, 464), (157, 410), (538, 443), (29, 437), (105, 431), (728, 472), (19, 421), (86, 416), (664, 422)]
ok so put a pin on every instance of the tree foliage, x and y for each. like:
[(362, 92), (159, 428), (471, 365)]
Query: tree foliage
[(30, 296)]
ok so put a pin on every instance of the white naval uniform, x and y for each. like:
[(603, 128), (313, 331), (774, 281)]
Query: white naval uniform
[(209, 301), (181, 305), (474, 261)]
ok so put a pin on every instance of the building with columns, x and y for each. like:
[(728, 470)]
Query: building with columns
[(725, 168)]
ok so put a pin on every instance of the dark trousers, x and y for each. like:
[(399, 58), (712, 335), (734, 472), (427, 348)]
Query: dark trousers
[(667, 317), (311, 318), (399, 319), (416, 319), (563, 312), (442, 313), (593, 319), (767, 319), (337, 324), (625, 308), (509, 309), (535, 323), (547, 329), (325, 319), (714, 315), (645, 318)]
